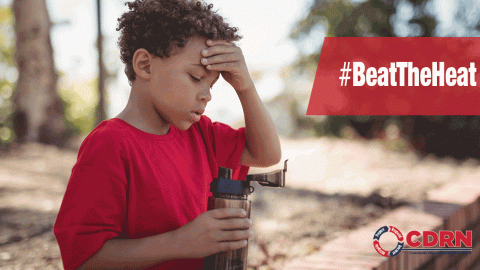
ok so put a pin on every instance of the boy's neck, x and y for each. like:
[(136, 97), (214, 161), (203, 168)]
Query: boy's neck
[(140, 113)]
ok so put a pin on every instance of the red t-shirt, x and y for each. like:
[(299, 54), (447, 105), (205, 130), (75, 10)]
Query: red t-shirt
[(131, 184)]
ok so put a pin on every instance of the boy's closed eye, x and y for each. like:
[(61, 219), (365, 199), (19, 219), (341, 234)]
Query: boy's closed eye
[(196, 79)]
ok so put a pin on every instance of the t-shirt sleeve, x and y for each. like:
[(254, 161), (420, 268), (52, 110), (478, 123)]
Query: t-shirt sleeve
[(94, 206), (228, 144)]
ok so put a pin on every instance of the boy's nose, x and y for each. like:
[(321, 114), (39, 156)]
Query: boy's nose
[(205, 94)]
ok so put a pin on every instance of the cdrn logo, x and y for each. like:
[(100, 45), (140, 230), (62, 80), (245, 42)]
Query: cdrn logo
[(446, 241)]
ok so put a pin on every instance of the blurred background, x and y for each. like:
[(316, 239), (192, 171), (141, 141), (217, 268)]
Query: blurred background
[(61, 74)]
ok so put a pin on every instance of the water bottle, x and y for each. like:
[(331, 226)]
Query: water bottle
[(234, 193)]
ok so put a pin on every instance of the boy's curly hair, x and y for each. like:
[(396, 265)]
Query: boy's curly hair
[(161, 25)]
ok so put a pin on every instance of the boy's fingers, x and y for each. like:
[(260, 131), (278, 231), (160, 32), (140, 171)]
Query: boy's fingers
[(235, 235), (232, 245), (219, 59), (235, 224), (223, 213), (229, 66), (220, 49)]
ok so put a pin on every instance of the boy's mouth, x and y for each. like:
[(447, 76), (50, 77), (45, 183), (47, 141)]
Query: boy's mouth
[(199, 112)]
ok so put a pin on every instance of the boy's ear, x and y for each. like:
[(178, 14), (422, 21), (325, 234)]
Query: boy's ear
[(142, 61)]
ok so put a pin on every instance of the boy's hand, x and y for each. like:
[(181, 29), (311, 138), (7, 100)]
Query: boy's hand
[(214, 231), (227, 58)]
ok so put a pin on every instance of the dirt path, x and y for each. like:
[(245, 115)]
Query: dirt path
[(288, 222), (32, 182)]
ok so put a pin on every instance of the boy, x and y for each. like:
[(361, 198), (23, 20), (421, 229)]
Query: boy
[(137, 196)]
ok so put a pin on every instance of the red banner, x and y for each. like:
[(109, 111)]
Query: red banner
[(397, 76)]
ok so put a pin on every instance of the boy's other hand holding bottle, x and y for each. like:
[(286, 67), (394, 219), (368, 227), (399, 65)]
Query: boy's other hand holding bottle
[(212, 232)]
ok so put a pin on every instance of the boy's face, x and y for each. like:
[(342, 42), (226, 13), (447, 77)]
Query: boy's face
[(180, 85)]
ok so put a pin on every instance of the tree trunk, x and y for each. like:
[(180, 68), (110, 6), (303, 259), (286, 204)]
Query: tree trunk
[(101, 115), (39, 112)]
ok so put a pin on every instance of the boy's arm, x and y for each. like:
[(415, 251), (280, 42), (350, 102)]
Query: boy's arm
[(211, 232), (133, 253), (263, 145)]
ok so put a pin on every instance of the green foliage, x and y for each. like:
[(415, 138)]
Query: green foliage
[(7, 76), (80, 103), (329, 12), (427, 24), (342, 19), (345, 19), (6, 37)]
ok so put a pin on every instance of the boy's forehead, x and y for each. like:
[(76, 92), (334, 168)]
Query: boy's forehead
[(191, 54), (194, 47)]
